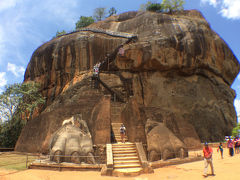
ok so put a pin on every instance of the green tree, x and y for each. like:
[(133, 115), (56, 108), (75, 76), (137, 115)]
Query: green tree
[(99, 14), (60, 33), (9, 100), (154, 7), (9, 132), (84, 21), (143, 7), (112, 11), (236, 130), (31, 98), (17, 104), (172, 5)]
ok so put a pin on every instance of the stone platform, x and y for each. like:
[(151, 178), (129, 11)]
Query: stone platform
[(47, 165)]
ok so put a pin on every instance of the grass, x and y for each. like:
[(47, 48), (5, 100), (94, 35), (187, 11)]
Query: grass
[(13, 161)]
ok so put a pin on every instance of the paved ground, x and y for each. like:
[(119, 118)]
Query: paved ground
[(225, 169)]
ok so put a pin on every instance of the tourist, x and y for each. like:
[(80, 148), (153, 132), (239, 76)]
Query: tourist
[(121, 51), (220, 147), (230, 146), (122, 133), (96, 69), (207, 153), (236, 144)]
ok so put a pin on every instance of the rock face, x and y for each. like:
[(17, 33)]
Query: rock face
[(178, 73)]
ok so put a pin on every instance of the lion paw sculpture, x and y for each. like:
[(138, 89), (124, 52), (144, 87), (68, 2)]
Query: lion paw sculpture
[(72, 142)]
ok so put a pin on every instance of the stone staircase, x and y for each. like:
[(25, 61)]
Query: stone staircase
[(125, 160), (116, 109)]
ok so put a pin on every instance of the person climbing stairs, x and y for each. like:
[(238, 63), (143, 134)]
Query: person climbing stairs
[(116, 131)]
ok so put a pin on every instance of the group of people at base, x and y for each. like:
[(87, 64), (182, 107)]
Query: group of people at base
[(207, 153), (233, 143)]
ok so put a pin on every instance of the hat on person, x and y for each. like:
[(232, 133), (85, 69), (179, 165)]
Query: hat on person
[(205, 144)]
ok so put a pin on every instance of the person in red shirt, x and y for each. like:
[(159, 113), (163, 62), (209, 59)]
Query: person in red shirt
[(207, 153)]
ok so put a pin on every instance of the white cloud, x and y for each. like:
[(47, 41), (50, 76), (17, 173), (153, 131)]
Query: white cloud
[(3, 80), (16, 70), (6, 4), (227, 8), (237, 107), (211, 2), (231, 9)]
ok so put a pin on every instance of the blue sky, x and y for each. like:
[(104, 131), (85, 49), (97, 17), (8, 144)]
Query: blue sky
[(26, 24)]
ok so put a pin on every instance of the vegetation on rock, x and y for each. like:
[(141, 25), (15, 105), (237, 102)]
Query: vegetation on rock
[(172, 5), (112, 11), (60, 33), (84, 21), (164, 6), (156, 7), (99, 14)]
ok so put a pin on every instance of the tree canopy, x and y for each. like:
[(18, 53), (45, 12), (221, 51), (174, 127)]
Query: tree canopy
[(172, 5), (84, 21), (236, 130), (99, 14), (17, 104), (165, 6), (155, 7), (60, 33), (143, 7), (112, 11)]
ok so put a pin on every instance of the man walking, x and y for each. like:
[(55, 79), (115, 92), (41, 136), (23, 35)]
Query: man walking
[(207, 153), (122, 133)]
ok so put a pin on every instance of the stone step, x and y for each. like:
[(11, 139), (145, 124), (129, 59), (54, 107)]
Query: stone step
[(126, 161), (124, 155), (114, 125), (122, 151), (133, 165), (129, 170), (118, 135), (116, 148), (123, 144), (120, 139), (127, 147), (125, 158)]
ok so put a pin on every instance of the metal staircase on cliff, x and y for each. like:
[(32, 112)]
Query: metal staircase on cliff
[(108, 60)]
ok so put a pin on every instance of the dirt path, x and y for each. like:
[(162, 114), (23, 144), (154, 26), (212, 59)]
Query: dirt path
[(225, 169)]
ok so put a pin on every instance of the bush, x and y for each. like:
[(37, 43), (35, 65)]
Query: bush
[(84, 21), (60, 33), (155, 7), (9, 133), (172, 5)]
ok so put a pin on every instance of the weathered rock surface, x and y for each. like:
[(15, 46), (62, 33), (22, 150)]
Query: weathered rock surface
[(178, 73)]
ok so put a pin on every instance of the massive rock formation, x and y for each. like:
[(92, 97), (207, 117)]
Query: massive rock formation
[(178, 73)]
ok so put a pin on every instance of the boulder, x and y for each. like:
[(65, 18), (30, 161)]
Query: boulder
[(178, 73)]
